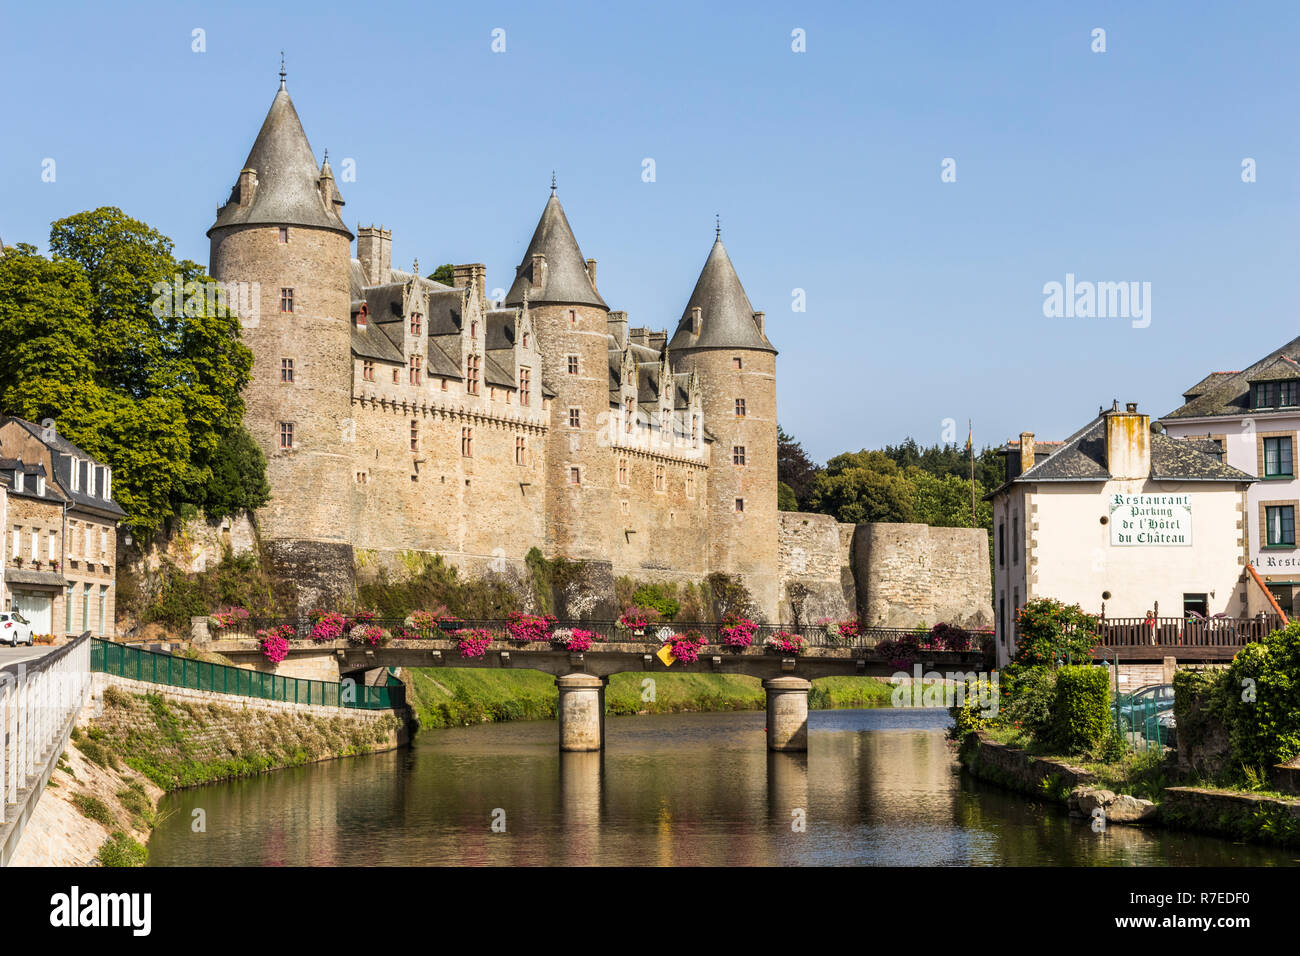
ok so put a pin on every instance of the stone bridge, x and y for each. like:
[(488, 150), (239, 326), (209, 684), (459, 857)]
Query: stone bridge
[(581, 677)]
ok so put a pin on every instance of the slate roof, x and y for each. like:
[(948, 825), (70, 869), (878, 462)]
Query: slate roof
[(567, 281), (63, 452), (1082, 457), (287, 177), (726, 317), (373, 342), (1228, 393)]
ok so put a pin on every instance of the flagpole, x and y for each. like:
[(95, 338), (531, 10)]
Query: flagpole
[(970, 448)]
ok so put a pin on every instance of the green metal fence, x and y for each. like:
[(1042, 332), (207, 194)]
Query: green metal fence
[(1140, 722), (137, 664)]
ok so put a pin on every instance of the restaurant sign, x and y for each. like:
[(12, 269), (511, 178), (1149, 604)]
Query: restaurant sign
[(1151, 520)]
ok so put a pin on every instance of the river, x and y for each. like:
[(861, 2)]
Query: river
[(877, 787)]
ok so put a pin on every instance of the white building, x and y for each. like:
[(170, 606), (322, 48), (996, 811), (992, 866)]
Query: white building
[(1120, 519), (1254, 416)]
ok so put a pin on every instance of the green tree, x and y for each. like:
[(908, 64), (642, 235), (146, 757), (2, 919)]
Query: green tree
[(863, 486), (143, 379), (238, 476), (785, 499), (445, 273), (793, 467)]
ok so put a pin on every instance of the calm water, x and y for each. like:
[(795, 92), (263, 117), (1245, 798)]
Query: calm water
[(878, 787)]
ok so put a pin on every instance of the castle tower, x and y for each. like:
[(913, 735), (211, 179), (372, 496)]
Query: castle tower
[(571, 320), (281, 238), (721, 338)]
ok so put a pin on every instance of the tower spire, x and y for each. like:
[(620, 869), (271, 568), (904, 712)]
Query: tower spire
[(552, 182), (282, 74), (717, 228)]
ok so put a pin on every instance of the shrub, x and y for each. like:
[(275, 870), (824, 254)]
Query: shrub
[(1027, 695), (1260, 700), (686, 647), (659, 596), (950, 637), (275, 642), (1080, 708), (900, 652), (121, 850), (368, 635), (473, 641), (637, 618), (528, 627), (230, 617), (94, 808), (576, 639), (1050, 631), (327, 626)]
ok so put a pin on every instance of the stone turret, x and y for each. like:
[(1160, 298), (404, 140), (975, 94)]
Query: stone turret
[(572, 323), (281, 237), (721, 338)]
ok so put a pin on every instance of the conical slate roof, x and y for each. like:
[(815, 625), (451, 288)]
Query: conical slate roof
[(726, 317), (567, 281), (287, 191)]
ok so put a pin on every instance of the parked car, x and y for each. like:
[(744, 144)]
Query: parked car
[(15, 629), (1162, 727), (1134, 708)]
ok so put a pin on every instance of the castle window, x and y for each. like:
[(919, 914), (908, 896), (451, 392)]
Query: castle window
[(467, 442), (471, 378), (629, 413), (695, 429), (665, 420), (575, 476), (575, 418), (740, 505), (740, 408), (286, 300), (736, 363), (525, 386), (521, 450), (690, 486), (397, 376), (415, 435), (284, 233), (661, 480), (473, 330), (416, 362), (525, 342), (286, 435), (416, 323), (286, 370), (573, 365), (624, 507), (367, 371), (622, 471), (737, 454), (444, 384), (362, 478), (573, 317)]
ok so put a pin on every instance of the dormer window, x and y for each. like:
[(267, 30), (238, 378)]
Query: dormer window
[(18, 480), (76, 475), (40, 485), (417, 323), (1275, 394)]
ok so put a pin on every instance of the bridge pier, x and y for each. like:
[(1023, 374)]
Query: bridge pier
[(787, 713), (582, 712)]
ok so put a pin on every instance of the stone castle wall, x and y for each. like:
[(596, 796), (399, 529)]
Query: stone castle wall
[(908, 574), (816, 572)]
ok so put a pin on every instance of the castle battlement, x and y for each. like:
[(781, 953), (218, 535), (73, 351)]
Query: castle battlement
[(403, 414)]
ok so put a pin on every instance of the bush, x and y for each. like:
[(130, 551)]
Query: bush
[(1260, 700), (1027, 696), (1050, 631), (121, 850), (1080, 708), (661, 597)]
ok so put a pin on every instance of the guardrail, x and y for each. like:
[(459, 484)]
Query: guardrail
[(609, 631), (39, 703), (168, 670), (1185, 631)]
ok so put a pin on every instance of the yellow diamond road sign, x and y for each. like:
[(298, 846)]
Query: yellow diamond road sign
[(666, 655)]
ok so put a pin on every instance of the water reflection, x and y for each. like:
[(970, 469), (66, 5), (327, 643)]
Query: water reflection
[(877, 787)]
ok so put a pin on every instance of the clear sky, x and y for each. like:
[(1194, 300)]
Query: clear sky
[(924, 299)]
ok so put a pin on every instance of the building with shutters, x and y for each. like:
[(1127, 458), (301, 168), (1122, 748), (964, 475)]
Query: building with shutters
[(60, 525)]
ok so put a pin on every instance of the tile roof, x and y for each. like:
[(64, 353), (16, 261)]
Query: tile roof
[(1227, 394)]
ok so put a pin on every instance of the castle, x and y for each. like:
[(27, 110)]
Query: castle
[(399, 414)]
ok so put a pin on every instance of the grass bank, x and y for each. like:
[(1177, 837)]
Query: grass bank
[(456, 696)]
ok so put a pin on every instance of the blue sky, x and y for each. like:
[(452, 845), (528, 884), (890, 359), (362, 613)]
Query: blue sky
[(924, 299)]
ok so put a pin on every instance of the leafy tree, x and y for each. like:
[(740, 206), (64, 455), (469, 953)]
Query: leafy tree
[(446, 274), (148, 382), (944, 502), (863, 486), (238, 476), (793, 467), (785, 499)]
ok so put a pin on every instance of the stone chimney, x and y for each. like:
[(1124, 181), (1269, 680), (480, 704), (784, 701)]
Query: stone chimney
[(473, 275), (617, 323), (657, 340), (759, 319), (640, 336), (1026, 451), (591, 272), (247, 187), (375, 251), (696, 318), (539, 271), (1128, 442)]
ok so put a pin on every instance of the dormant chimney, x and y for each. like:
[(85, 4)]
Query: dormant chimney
[(1026, 451), (1128, 443), (375, 251)]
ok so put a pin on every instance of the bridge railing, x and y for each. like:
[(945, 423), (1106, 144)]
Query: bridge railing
[(815, 635), (39, 703), (169, 670)]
